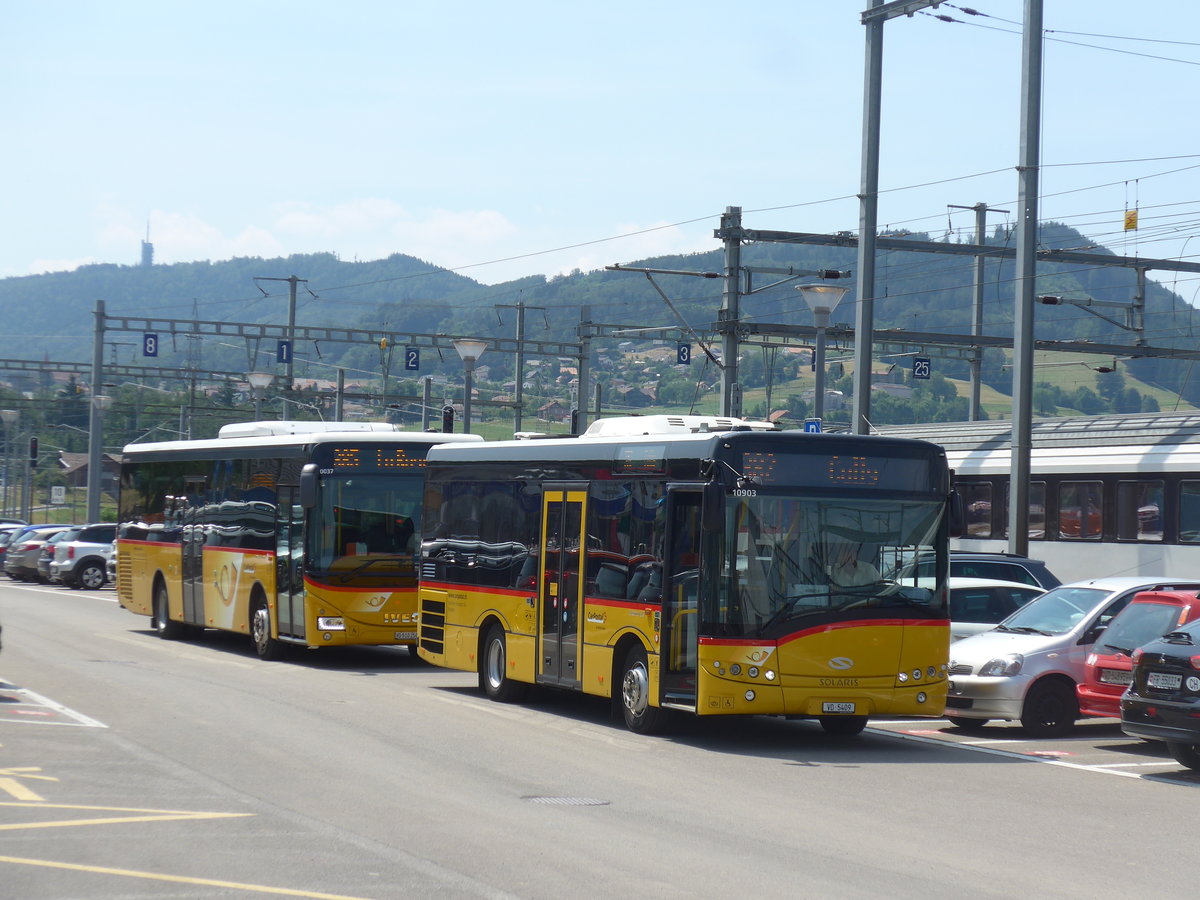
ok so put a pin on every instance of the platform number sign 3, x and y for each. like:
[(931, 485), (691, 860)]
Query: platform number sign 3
[(683, 354), (921, 367)]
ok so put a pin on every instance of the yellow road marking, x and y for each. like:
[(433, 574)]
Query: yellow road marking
[(17, 790), (148, 815), (27, 772), (177, 879)]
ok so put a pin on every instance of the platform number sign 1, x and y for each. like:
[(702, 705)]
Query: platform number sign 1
[(412, 359), (921, 367), (283, 352), (683, 354), (149, 344)]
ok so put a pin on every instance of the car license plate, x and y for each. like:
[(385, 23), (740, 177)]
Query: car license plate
[(1116, 676), (1163, 681), (406, 635), (837, 707)]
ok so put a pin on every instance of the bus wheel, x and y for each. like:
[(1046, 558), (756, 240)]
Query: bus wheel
[(161, 620), (260, 632), (1050, 709), (640, 716), (493, 669), (843, 726)]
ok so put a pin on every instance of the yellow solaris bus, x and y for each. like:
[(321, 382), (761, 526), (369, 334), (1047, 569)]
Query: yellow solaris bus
[(696, 564), (298, 534)]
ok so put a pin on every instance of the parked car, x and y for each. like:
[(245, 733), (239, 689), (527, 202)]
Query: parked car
[(980, 604), (9, 521), (46, 554), (81, 561), (20, 562), (1027, 667), (1163, 700), (995, 566), (6, 534), (1109, 667)]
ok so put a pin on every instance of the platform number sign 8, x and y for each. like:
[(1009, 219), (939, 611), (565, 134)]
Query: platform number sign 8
[(149, 344), (683, 354), (921, 367)]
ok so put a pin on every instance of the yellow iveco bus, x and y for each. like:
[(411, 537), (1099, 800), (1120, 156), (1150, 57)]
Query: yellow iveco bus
[(295, 533), (695, 564)]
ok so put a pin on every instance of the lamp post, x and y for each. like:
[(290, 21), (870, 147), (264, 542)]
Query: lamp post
[(9, 417), (259, 382), (822, 299), (100, 404), (470, 350)]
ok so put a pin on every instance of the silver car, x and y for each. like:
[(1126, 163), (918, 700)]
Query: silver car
[(1027, 667)]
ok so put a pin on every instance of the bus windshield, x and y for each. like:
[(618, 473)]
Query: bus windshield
[(794, 561), (364, 526)]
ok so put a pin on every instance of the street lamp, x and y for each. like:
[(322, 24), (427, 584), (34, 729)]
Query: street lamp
[(822, 299), (9, 416), (259, 382), (470, 350)]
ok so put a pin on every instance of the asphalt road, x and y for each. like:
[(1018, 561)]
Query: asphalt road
[(132, 767)]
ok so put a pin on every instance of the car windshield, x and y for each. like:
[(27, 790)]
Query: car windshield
[(1055, 612), (1137, 624)]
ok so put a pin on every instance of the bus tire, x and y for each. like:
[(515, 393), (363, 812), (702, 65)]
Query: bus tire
[(843, 726), (640, 716), (164, 626), (265, 646), (493, 669), (1050, 709)]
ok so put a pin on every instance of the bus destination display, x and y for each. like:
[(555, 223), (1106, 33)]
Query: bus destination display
[(844, 470), (370, 458)]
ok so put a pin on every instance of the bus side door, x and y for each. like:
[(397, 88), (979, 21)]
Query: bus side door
[(289, 563), (194, 534), (680, 595), (560, 583)]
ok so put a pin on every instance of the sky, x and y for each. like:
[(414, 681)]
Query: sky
[(509, 139)]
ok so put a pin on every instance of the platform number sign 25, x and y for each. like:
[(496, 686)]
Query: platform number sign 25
[(921, 367)]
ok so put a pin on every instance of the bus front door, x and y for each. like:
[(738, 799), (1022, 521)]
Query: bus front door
[(289, 564), (680, 596), (560, 584), (193, 535)]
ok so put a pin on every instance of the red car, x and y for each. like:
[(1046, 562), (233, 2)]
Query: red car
[(1109, 669)]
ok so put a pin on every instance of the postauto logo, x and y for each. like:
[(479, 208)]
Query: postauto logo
[(841, 663)]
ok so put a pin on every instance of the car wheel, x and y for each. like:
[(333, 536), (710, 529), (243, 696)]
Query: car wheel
[(1050, 709), (167, 629), (640, 716), (843, 726), (91, 577), (493, 669), (1185, 754), (967, 724)]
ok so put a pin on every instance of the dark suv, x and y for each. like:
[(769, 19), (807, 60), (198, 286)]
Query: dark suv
[(992, 566)]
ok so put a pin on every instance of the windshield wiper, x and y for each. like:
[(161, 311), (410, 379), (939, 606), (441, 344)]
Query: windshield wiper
[(366, 564), (1124, 651), (1023, 629)]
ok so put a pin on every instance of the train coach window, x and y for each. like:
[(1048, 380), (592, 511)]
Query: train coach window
[(977, 503), (1189, 512), (1139, 511), (1080, 510), (1037, 512)]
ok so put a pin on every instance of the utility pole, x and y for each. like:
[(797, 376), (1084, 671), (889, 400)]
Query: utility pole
[(1026, 274), (976, 362), (96, 418), (288, 383), (730, 315), (519, 365)]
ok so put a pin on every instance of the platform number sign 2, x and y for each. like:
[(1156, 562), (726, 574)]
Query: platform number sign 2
[(921, 367), (412, 359), (683, 354), (149, 344)]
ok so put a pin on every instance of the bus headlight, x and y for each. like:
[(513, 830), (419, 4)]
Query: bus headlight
[(921, 698), (749, 695), (902, 677), (769, 674), (331, 623)]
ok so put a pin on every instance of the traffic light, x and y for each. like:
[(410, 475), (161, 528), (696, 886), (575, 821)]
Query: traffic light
[(447, 418), (33, 453), (575, 421)]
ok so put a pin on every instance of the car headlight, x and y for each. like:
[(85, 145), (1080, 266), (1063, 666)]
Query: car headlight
[(1002, 666)]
